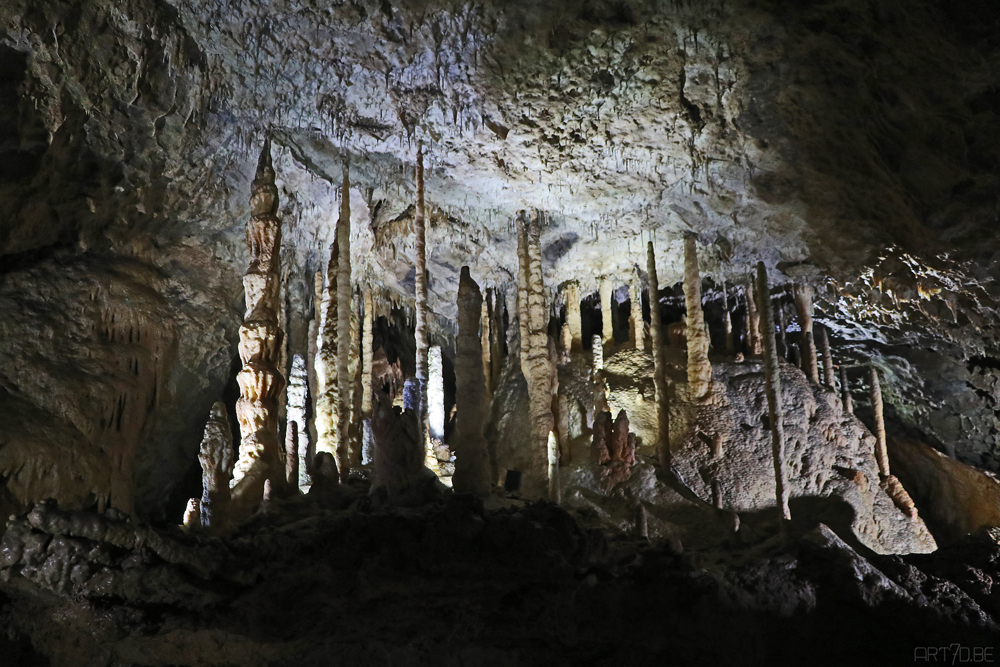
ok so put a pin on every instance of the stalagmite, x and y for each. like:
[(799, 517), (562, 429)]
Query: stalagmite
[(698, 366), (641, 522), (536, 364), (727, 321), (496, 354), (484, 343), (803, 304), (612, 449), (216, 458), (597, 353), (260, 341), (566, 338), (420, 320), (881, 454), (292, 456), (755, 346), (354, 371), (845, 392), (828, 372), (344, 310), (472, 461), (573, 317), (635, 319), (298, 396), (659, 360), (435, 395), (772, 379), (399, 448), (607, 306), (782, 331), (555, 491), (328, 402), (192, 514), (366, 377)]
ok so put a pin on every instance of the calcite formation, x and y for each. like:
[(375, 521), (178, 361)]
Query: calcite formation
[(727, 322), (435, 395), (260, 340), (328, 401), (829, 378), (613, 449), (216, 458), (571, 295), (606, 293), (754, 340), (637, 324), (344, 311), (472, 463), (875, 393), (845, 392), (775, 409), (399, 448), (659, 360), (420, 305), (804, 306), (292, 456), (699, 367)]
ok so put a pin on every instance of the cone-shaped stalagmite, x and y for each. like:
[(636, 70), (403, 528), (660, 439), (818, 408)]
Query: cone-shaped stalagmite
[(607, 294), (292, 455), (845, 392), (828, 374), (344, 310), (573, 317), (435, 395), (216, 458), (754, 343), (804, 306), (420, 318), (328, 401), (472, 462), (659, 360), (698, 367), (772, 380), (881, 453), (638, 325), (485, 334), (260, 341), (366, 375), (536, 364)]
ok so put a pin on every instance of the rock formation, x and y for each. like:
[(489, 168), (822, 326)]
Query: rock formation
[(727, 321), (435, 395), (571, 295), (699, 368), (659, 360), (754, 342), (260, 339), (399, 449), (328, 401), (420, 306), (828, 372), (845, 392), (804, 306), (775, 410), (366, 373), (875, 392), (292, 456), (344, 377), (636, 322), (607, 295), (216, 458), (192, 515), (613, 449), (472, 463)]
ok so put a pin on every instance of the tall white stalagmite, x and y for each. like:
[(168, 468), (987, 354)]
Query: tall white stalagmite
[(260, 343), (804, 306), (881, 453), (659, 360), (367, 445), (292, 455), (772, 383), (420, 319), (607, 293), (472, 461), (573, 317), (828, 373), (328, 402), (638, 326), (297, 397), (435, 394), (698, 366), (536, 364)]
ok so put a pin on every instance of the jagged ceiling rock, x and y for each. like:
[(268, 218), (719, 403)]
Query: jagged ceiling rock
[(812, 136)]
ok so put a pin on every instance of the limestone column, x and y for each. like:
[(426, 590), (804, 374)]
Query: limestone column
[(292, 455), (435, 394), (537, 367), (845, 392), (496, 354), (607, 292), (698, 366), (754, 345), (573, 317), (555, 491), (216, 458), (260, 343), (638, 325), (881, 454), (727, 321), (298, 395), (484, 341), (772, 380), (781, 330), (824, 346), (420, 323), (472, 461), (659, 360), (804, 306), (366, 376), (343, 296)]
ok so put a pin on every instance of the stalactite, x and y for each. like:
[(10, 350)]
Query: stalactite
[(804, 306), (260, 341), (881, 453), (772, 379), (845, 392), (607, 293), (216, 458), (828, 372), (292, 456), (472, 462), (366, 378), (659, 360), (420, 326), (638, 325), (727, 321), (755, 346), (571, 295), (537, 367), (699, 369), (343, 296)]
